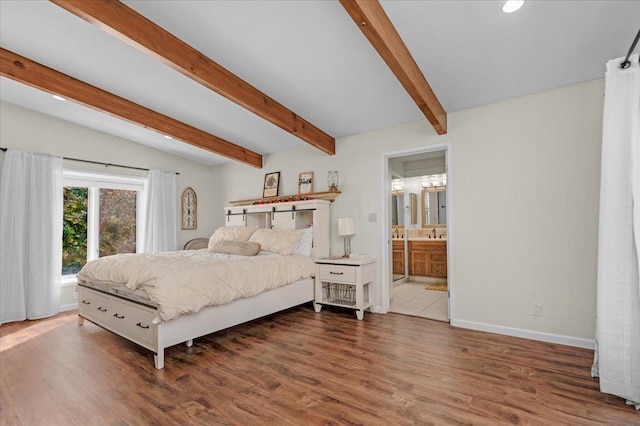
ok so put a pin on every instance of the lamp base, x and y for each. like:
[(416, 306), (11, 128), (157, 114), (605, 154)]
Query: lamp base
[(347, 246)]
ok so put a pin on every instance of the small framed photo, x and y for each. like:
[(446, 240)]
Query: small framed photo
[(305, 183), (271, 184)]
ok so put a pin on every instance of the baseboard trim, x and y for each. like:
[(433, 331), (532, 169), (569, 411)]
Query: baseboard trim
[(69, 307), (577, 342), (377, 309)]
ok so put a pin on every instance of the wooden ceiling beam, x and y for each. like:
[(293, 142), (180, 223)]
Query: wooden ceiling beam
[(134, 29), (33, 74), (374, 23)]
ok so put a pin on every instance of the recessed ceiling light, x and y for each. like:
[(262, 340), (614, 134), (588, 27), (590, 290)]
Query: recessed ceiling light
[(58, 98), (512, 6), (167, 137)]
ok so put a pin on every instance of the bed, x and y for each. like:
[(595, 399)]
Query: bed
[(128, 300)]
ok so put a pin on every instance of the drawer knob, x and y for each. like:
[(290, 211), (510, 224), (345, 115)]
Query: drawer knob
[(142, 326), (118, 316), (101, 309), (86, 302), (336, 273)]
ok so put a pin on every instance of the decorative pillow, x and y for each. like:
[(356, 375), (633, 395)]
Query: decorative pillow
[(231, 233), (282, 241), (242, 248), (306, 243)]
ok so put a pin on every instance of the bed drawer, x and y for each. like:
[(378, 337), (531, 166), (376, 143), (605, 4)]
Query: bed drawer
[(136, 322), (128, 319), (94, 306), (341, 273)]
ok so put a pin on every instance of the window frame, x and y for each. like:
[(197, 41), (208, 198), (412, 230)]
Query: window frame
[(95, 181)]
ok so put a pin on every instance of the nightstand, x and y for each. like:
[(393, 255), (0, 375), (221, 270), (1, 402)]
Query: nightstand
[(346, 282)]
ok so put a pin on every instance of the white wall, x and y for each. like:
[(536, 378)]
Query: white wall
[(31, 131), (525, 203)]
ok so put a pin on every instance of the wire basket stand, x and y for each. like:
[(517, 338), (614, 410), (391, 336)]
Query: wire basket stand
[(343, 294)]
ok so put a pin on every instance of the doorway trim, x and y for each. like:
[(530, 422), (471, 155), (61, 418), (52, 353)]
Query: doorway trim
[(386, 271)]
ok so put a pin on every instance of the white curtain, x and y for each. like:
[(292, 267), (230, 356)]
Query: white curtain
[(30, 235), (617, 358), (161, 224)]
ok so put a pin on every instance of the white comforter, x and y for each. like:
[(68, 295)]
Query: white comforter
[(186, 281)]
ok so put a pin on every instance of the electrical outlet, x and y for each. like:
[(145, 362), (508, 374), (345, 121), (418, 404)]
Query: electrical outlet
[(537, 309), (373, 217)]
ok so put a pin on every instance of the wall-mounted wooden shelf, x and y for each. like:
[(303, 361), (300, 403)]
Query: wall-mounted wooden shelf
[(328, 195)]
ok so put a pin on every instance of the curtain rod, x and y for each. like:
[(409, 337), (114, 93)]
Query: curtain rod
[(99, 162), (626, 63)]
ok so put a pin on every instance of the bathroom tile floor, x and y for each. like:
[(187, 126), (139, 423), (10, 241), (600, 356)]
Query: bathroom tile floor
[(411, 298)]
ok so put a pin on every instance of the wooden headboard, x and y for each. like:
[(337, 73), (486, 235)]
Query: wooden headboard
[(289, 215)]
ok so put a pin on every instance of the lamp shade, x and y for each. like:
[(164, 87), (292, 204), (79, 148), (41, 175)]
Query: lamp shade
[(346, 226)]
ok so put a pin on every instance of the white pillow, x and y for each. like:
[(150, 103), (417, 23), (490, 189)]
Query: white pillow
[(282, 241), (231, 233), (306, 243)]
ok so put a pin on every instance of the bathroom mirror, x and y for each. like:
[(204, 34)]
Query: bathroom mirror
[(397, 208), (434, 206)]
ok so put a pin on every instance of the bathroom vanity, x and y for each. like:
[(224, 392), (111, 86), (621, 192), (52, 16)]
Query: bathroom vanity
[(428, 258)]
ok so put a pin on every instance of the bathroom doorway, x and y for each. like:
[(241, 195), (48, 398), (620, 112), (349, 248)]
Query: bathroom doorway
[(416, 197)]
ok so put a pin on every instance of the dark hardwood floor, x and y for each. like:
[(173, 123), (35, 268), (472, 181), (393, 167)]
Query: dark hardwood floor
[(299, 367)]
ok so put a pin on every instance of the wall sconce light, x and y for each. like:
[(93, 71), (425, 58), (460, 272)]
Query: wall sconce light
[(346, 228)]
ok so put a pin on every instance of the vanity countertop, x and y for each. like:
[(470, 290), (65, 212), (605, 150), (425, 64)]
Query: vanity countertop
[(435, 240)]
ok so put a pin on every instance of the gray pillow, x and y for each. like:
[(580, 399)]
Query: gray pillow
[(242, 248)]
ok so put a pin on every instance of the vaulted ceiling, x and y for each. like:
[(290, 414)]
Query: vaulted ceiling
[(311, 58)]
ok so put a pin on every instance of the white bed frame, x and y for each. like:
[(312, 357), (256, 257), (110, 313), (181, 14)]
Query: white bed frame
[(134, 321)]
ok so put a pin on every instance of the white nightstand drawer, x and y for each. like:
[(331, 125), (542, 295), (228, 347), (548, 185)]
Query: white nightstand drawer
[(337, 273)]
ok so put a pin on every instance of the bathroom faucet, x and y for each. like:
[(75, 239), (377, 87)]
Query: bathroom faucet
[(434, 232)]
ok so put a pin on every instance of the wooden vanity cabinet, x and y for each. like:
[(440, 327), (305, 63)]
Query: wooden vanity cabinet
[(398, 257), (428, 258)]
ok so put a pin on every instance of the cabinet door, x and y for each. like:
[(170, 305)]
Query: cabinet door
[(438, 270), (418, 263), (292, 220), (438, 264), (283, 221), (236, 218), (398, 261), (398, 257)]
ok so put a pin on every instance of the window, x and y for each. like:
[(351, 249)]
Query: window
[(103, 215)]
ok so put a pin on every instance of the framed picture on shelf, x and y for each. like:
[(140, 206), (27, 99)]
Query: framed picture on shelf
[(271, 184), (305, 183)]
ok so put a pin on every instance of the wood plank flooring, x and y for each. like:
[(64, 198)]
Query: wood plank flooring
[(298, 367)]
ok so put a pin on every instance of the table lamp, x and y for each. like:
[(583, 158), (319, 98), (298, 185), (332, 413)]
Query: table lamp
[(346, 228)]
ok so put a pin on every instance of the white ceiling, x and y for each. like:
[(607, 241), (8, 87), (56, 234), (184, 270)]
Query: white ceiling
[(311, 57)]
